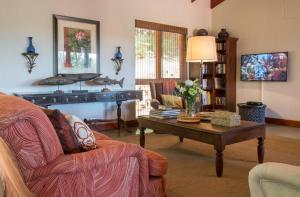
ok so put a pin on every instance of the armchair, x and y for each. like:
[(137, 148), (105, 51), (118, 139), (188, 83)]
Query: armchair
[(157, 89), (274, 180), (113, 169)]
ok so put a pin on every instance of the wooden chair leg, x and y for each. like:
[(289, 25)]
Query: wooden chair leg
[(181, 139)]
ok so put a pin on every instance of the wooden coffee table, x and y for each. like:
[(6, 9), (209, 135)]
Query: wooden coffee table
[(207, 133)]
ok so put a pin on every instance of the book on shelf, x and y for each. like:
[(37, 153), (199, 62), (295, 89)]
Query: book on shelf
[(206, 84), (206, 98), (221, 58), (204, 69), (219, 83), (221, 69), (220, 101), (221, 46)]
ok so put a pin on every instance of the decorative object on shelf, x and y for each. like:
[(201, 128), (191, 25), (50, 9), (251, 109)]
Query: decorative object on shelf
[(118, 60), (223, 34), (30, 48), (76, 45), (201, 32), (189, 90), (107, 81), (56, 81), (80, 78), (226, 119), (30, 57)]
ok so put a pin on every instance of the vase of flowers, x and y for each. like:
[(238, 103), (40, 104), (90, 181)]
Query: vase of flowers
[(188, 91)]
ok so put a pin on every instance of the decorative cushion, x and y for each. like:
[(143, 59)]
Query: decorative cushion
[(83, 133), (64, 131), (172, 101), (158, 164)]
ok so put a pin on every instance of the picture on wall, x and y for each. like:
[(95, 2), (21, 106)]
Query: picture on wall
[(264, 67), (76, 45)]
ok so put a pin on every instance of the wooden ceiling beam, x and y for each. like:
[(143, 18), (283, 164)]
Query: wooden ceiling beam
[(213, 3)]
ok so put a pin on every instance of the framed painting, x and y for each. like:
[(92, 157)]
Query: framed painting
[(76, 45)]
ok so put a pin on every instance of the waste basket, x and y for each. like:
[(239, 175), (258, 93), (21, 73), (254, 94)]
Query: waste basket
[(252, 111)]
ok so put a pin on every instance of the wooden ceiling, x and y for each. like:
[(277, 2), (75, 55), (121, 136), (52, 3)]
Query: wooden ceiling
[(213, 3)]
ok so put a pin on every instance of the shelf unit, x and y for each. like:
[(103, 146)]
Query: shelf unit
[(219, 78)]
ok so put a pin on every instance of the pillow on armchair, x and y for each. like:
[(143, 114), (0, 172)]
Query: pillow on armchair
[(172, 101), (64, 131), (83, 133)]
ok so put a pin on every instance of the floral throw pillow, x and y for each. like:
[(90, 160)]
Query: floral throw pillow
[(83, 133)]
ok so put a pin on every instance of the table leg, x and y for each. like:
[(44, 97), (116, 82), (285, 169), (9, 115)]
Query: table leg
[(219, 163), (181, 139), (119, 113), (261, 150), (142, 137)]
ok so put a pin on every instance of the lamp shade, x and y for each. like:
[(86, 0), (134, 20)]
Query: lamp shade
[(201, 49)]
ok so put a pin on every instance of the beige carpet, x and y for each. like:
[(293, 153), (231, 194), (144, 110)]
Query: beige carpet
[(192, 164)]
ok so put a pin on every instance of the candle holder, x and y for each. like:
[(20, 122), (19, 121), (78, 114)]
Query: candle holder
[(118, 60), (30, 57)]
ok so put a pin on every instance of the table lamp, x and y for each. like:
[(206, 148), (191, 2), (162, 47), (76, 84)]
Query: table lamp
[(201, 49)]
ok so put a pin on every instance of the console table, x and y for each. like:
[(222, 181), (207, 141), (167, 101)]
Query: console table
[(48, 99)]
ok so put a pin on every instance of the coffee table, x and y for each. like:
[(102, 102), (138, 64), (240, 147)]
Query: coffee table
[(207, 133)]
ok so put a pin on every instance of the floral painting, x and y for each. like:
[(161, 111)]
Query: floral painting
[(76, 45)]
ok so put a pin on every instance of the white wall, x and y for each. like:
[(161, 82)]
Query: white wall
[(266, 26), (22, 18)]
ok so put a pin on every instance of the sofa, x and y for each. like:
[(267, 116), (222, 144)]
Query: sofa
[(274, 180), (113, 169)]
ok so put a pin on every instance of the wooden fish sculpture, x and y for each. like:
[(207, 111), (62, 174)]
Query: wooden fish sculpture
[(81, 77), (108, 81), (58, 80)]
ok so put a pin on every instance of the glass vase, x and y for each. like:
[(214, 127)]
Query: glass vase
[(190, 107)]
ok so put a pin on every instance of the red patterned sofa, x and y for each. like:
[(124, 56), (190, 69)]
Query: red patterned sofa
[(113, 169)]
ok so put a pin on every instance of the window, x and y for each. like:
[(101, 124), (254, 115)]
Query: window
[(160, 56)]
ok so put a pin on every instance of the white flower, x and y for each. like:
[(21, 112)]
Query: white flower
[(182, 90), (189, 83)]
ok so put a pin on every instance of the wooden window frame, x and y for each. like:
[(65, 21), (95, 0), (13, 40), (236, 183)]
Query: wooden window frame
[(160, 28)]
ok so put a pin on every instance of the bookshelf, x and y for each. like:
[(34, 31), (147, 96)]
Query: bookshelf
[(218, 79)]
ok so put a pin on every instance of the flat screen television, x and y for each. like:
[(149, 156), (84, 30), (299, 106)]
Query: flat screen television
[(264, 67)]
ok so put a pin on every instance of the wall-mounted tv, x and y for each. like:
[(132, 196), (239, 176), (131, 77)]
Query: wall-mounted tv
[(264, 67)]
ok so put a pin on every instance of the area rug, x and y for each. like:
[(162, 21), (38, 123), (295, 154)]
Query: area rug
[(192, 164)]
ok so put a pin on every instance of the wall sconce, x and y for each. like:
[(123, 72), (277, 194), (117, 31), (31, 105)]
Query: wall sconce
[(118, 60), (30, 55)]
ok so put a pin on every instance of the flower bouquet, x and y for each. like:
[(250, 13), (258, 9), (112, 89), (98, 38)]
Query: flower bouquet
[(189, 90)]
